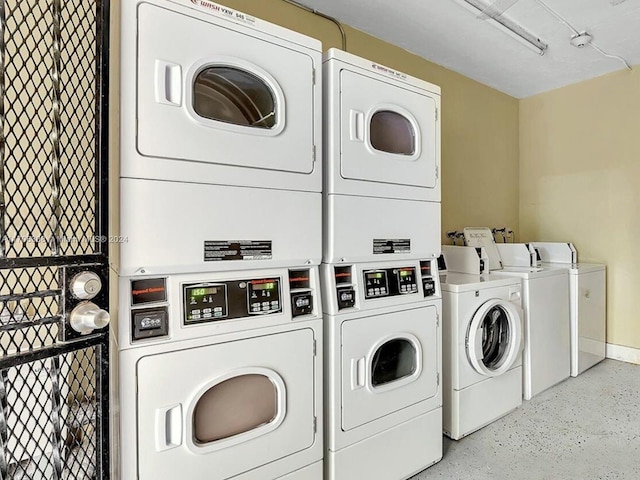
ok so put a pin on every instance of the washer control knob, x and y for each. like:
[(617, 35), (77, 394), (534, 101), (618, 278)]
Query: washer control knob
[(87, 317), (86, 285)]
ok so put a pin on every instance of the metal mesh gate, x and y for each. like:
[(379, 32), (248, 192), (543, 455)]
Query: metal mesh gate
[(54, 394)]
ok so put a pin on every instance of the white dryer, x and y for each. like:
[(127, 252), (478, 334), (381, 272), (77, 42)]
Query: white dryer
[(587, 303), (221, 117), (482, 350), (545, 302), (220, 376), (382, 150), (383, 365)]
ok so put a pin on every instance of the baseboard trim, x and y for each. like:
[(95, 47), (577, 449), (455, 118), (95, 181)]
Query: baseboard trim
[(623, 354)]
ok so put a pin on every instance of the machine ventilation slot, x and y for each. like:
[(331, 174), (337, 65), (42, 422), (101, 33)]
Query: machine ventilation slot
[(235, 96)]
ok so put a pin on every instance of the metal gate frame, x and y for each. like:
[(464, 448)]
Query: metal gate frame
[(48, 409)]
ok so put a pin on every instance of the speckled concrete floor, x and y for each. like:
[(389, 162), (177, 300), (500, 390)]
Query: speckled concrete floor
[(585, 428)]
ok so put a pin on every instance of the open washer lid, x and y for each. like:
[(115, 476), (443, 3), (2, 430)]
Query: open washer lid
[(494, 338), (482, 237)]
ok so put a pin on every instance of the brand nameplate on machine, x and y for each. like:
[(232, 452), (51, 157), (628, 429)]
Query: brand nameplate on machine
[(218, 251), (391, 245), (148, 290), (222, 11)]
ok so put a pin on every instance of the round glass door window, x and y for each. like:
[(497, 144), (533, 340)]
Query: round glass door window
[(391, 132), (393, 360), (234, 96), (495, 337)]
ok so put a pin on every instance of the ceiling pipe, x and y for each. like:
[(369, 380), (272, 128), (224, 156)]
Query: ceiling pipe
[(343, 34)]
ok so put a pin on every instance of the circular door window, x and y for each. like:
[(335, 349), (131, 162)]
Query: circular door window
[(234, 96), (494, 338), (391, 132), (393, 360)]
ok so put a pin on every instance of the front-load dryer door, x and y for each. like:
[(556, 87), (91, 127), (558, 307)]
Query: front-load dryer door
[(213, 94), (494, 337), (214, 412), (388, 132), (389, 362)]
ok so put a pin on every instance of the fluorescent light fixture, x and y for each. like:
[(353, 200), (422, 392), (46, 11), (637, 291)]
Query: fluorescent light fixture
[(507, 26)]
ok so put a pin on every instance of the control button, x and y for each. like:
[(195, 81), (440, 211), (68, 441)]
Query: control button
[(206, 315), (217, 314), (195, 317), (370, 291), (274, 302), (195, 312), (265, 308), (217, 309), (383, 290), (256, 304), (264, 304), (376, 291), (206, 310), (255, 309)]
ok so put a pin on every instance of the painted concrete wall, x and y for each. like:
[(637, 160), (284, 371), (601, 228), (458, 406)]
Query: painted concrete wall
[(580, 182), (479, 124)]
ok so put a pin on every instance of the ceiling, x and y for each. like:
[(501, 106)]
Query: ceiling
[(446, 33)]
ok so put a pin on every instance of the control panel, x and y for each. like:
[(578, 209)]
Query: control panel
[(149, 308), (210, 302), (389, 282)]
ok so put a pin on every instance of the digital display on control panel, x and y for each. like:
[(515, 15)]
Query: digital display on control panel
[(407, 280), (376, 284), (233, 299), (263, 296), (205, 302)]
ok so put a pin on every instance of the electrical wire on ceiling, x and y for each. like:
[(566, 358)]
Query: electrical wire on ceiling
[(320, 14), (577, 35)]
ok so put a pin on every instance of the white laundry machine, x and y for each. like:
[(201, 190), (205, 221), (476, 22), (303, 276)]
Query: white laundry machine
[(545, 303), (221, 118), (382, 150), (587, 303), (482, 350), (220, 375), (219, 313), (383, 369)]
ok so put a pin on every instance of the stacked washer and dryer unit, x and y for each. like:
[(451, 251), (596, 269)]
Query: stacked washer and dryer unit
[(381, 294), (220, 319)]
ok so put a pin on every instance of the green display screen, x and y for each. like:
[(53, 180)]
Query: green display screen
[(406, 273), (265, 286), (375, 275), (200, 292)]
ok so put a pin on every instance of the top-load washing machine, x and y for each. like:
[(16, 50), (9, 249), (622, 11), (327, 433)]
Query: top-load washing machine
[(588, 305), (219, 312), (545, 302), (221, 117), (482, 345), (382, 150), (383, 369)]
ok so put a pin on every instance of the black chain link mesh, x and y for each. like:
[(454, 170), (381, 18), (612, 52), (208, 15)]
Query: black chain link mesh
[(50, 403), (51, 432), (49, 101)]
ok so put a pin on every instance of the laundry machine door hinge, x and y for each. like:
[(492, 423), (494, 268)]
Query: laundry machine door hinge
[(437, 320), (437, 172)]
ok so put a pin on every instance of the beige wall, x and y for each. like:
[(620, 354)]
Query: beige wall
[(580, 182), (479, 124)]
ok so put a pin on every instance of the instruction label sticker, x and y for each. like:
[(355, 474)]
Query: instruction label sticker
[(388, 71), (391, 245), (224, 12), (219, 251)]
